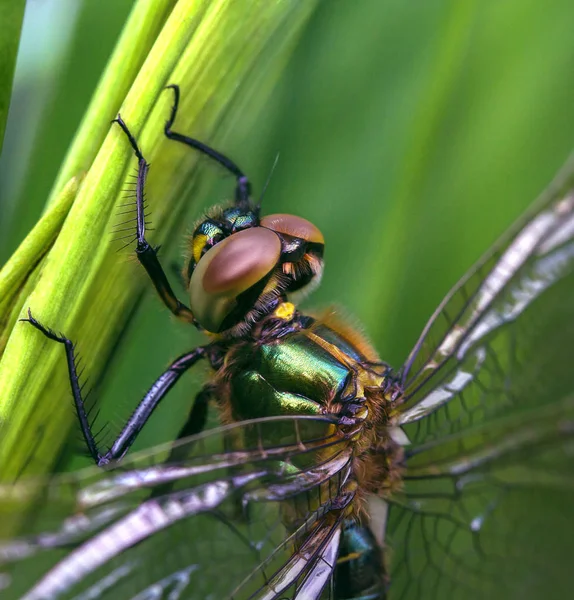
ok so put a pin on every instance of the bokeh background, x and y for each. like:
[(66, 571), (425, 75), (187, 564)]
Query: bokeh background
[(412, 134)]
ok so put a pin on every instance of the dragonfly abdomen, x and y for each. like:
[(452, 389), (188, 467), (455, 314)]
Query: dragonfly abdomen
[(359, 574)]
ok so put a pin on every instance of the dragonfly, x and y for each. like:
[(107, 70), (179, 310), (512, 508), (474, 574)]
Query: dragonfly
[(332, 475)]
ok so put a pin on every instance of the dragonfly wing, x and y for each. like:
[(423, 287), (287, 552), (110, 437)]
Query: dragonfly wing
[(488, 413), (488, 513), (195, 528), (504, 327)]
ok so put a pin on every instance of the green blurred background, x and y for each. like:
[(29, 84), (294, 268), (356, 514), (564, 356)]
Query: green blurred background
[(412, 134)]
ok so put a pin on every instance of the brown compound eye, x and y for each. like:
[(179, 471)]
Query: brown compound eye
[(294, 226), (229, 269), (302, 247)]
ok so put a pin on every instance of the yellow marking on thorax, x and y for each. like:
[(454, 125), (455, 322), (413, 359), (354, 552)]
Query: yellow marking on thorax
[(350, 332), (333, 350), (285, 311), (364, 377)]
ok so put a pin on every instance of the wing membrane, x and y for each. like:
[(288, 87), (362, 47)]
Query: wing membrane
[(505, 348), (489, 417), (488, 513), (171, 527)]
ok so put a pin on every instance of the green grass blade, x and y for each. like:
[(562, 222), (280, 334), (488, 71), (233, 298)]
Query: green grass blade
[(17, 272), (11, 16), (133, 46)]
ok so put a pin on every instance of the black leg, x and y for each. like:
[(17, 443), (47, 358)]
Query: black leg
[(198, 415), (145, 253), (195, 423), (144, 409), (74, 383), (243, 187), (149, 402)]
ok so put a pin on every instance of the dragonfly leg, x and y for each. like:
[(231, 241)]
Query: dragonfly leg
[(195, 422), (149, 402), (144, 409), (74, 382), (198, 415), (146, 254), (243, 187)]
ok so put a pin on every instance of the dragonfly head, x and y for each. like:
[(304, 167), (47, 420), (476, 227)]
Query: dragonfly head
[(240, 265)]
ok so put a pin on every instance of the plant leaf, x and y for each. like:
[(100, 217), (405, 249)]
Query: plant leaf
[(11, 17)]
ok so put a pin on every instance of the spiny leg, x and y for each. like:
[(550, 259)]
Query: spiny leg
[(242, 187), (74, 383), (143, 411), (146, 254)]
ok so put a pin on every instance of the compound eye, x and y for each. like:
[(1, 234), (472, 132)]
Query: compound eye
[(229, 269), (294, 226)]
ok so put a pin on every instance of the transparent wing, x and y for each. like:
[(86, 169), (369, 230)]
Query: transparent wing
[(509, 321), (488, 513), (489, 417), (240, 513)]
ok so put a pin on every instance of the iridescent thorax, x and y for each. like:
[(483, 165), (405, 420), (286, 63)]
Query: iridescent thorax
[(297, 364)]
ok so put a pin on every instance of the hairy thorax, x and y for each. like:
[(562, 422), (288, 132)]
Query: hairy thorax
[(318, 366)]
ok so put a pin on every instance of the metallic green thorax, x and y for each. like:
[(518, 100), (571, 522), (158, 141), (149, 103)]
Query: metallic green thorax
[(294, 375)]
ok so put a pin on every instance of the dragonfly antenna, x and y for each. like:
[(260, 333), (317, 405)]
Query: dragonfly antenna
[(268, 180)]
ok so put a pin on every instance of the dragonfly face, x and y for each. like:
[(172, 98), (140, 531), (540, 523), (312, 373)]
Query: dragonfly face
[(241, 266), (332, 476)]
